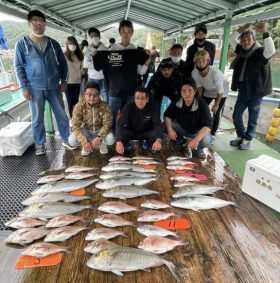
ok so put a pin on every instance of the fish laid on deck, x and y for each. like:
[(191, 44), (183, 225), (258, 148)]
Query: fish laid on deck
[(64, 186), (64, 220), (151, 230), (198, 203), (196, 190), (119, 157), (50, 179), (114, 174), (172, 158), (98, 245), (120, 259), (154, 204), (52, 209), (52, 197), (160, 245), (79, 175), (24, 222), (145, 162), (25, 236), (112, 220), (44, 249), (154, 215), (63, 233), (103, 234), (120, 167), (123, 181), (79, 168), (116, 207), (125, 192)]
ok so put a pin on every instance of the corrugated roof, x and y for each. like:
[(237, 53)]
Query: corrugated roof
[(166, 15)]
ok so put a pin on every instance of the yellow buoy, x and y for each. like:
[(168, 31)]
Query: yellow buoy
[(268, 137), (272, 131), (275, 122), (276, 112)]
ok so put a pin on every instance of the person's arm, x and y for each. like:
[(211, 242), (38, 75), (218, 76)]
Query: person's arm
[(171, 133), (233, 39), (63, 67), (195, 75), (77, 122), (19, 62), (107, 121), (121, 121), (193, 144), (218, 78)]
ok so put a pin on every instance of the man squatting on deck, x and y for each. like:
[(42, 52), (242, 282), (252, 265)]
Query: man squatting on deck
[(251, 77)]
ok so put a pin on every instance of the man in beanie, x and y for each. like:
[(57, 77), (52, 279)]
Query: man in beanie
[(200, 43)]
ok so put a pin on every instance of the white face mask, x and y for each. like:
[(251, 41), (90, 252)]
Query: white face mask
[(94, 41), (72, 47), (37, 35), (176, 60)]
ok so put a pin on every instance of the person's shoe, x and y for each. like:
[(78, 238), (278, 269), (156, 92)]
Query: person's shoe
[(145, 145), (199, 153), (236, 142), (245, 145), (40, 150), (212, 139), (68, 146), (103, 148), (84, 153)]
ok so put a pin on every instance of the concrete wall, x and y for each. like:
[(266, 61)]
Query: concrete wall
[(265, 117)]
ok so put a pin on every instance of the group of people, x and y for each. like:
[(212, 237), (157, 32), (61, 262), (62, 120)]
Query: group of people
[(115, 108)]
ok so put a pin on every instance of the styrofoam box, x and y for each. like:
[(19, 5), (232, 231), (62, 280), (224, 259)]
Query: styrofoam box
[(15, 138), (262, 180)]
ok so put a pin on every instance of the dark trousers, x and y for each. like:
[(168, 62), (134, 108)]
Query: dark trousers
[(217, 116), (127, 135), (72, 95), (254, 106)]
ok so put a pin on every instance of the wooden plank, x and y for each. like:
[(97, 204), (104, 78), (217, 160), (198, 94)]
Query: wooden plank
[(226, 245)]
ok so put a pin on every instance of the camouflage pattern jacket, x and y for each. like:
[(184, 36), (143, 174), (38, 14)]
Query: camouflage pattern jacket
[(98, 117)]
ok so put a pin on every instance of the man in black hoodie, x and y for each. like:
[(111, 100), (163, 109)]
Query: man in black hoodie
[(139, 121), (200, 43)]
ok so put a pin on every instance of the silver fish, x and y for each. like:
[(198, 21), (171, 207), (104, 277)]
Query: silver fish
[(145, 162), (50, 178), (25, 236), (114, 174), (195, 190), (180, 162), (120, 259), (159, 245), (183, 178), (103, 234), (52, 197), (119, 157), (116, 207), (151, 230), (154, 204), (154, 215), (123, 181), (178, 167), (139, 157), (97, 246), (23, 222), (44, 249), (64, 186), (79, 168), (121, 167), (63, 233), (79, 175), (199, 203), (120, 162), (172, 158), (64, 220), (112, 220), (125, 192), (52, 209), (52, 171)]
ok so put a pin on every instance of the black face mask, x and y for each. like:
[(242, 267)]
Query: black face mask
[(202, 69)]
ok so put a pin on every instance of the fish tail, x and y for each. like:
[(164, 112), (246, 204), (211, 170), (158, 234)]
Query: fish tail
[(88, 206), (85, 220), (68, 250), (174, 270), (183, 243)]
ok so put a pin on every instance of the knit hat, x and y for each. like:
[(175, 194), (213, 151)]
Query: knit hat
[(200, 27)]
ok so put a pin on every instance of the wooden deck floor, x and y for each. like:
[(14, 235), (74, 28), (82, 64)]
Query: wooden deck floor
[(225, 245)]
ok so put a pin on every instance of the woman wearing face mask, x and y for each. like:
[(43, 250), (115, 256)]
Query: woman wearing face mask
[(74, 58), (211, 85)]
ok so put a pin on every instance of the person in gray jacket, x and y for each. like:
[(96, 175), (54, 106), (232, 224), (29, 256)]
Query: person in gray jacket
[(42, 70)]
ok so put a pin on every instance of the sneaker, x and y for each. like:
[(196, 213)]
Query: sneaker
[(68, 146), (103, 148), (40, 150), (245, 145), (84, 153), (212, 139), (236, 142), (199, 153), (145, 144)]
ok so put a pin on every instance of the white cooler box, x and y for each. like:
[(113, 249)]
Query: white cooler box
[(15, 138), (262, 180)]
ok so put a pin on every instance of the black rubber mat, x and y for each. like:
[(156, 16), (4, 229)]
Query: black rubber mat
[(20, 174)]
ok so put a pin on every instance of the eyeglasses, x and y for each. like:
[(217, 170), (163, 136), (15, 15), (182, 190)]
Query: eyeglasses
[(42, 23), (92, 94)]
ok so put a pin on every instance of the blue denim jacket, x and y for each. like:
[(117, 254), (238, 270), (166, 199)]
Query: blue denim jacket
[(40, 70)]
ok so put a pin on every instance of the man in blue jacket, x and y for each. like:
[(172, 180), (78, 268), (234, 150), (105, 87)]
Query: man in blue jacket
[(42, 70)]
